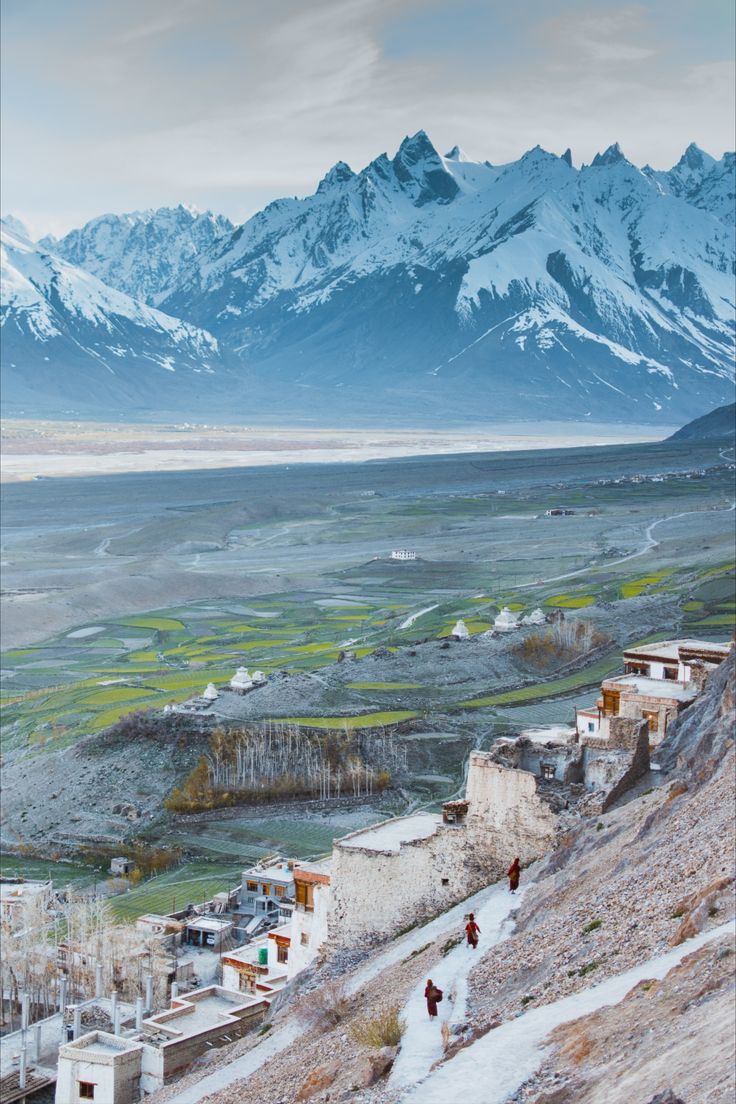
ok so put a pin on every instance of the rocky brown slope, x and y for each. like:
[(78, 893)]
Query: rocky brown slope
[(620, 890)]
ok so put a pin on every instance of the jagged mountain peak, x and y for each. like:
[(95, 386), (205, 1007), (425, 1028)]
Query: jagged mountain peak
[(338, 174), (695, 158), (612, 156), (567, 156), (416, 146), (142, 253), (421, 172), (456, 154)]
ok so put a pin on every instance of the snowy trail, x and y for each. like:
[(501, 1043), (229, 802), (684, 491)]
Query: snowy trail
[(495, 1066), (421, 1045), (407, 624), (283, 1037)]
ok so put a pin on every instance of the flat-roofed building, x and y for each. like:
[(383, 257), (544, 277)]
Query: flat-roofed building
[(659, 681), (264, 886), (259, 967), (312, 898), (208, 931), (101, 1067), (16, 895), (673, 660)]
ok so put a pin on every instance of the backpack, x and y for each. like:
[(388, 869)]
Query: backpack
[(438, 995)]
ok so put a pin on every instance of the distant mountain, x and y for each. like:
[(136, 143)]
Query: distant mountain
[(428, 289), (719, 423), (72, 344), (143, 253)]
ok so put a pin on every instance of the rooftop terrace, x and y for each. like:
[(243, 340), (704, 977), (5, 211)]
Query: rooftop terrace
[(389, 835)]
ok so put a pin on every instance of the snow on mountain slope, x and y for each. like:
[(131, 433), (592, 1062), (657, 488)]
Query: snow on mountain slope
[(532, 287), (429, 287), (143, 253), (69, 339)]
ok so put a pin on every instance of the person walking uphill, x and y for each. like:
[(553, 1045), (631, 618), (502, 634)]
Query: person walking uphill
[(472, 931), (434, 996), (514, 873)]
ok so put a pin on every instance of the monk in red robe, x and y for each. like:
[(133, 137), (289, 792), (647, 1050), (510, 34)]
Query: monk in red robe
[(472, 931), (514, 873), (433, 996)]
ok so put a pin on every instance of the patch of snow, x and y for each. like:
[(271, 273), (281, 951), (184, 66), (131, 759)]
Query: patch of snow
[(496, 1065)]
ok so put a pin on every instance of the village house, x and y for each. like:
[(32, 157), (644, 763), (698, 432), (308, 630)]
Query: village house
[(16, 895), (121, 867), (659, 681), (168, 930), (263, 889), (208, 931), (309, 925), (403, 554), (259, 967), (116, 1069)]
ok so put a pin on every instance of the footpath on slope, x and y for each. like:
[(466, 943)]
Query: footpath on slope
[(495, 897), (496, 1065), (422, 1044)]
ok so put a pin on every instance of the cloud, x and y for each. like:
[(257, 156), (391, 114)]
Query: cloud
[(229, 103)]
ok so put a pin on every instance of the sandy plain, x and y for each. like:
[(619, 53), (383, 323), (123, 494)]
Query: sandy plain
[(46, 449)]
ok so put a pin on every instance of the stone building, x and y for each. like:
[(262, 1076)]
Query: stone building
[(309, 925), (659, 681)]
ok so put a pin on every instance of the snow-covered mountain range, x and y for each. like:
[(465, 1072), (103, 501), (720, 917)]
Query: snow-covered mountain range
[(432, 288), (71, 343), (144, 253)]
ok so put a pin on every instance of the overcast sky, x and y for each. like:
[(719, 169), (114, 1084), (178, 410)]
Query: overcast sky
[(115, 106)]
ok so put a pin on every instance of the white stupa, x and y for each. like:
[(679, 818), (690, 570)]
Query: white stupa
[(259, 677), (506, 620), (460, 632), (211, 693), (241, 680), (536, 617)]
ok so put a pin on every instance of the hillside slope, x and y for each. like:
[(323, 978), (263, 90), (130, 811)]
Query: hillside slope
[(721, 422), (621, 902)]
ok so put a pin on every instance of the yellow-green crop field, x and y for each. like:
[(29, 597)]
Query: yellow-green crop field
[(361, 720), (570, 601), (635, 587), (384, 685)]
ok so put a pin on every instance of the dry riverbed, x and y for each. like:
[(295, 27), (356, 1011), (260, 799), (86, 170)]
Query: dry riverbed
[(38, 449)]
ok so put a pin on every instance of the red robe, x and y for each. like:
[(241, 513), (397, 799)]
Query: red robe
[(514, 873), (472, 931), (431, 992)]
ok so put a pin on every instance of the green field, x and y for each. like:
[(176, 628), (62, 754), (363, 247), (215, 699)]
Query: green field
[(360, 720), (61, 873), (168, 892), (589, 676)]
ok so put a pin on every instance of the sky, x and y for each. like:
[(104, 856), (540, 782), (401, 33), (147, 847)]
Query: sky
[(228, 104)]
